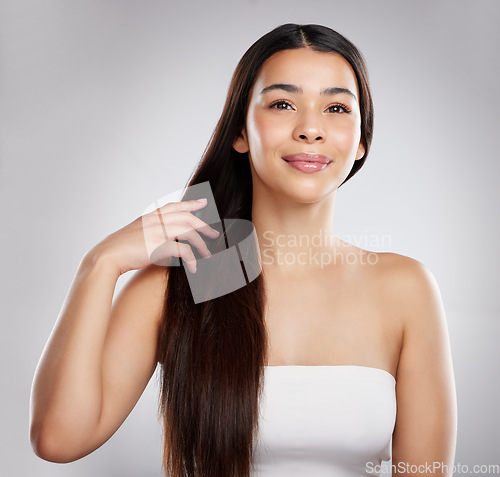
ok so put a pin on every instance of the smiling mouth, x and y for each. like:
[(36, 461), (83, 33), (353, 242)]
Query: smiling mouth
[(308, 166), (315, 162), (307, 162), (307, 157)]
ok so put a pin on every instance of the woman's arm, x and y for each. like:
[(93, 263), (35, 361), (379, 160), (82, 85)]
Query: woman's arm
[(424, 438), (98, 360), (101, 355)]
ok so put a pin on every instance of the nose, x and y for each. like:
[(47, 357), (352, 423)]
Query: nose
[(309, 129)]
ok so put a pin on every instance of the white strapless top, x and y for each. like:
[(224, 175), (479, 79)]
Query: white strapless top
[(319, 421)]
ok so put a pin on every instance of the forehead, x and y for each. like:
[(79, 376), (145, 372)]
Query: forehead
[(310, 69)]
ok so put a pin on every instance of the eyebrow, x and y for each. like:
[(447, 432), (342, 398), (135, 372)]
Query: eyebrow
[(291, 88)]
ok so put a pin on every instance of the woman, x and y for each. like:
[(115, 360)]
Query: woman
[(300, 370)]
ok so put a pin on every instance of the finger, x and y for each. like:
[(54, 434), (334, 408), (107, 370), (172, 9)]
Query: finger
[(185, 217), (176, 230), (186, 205), (184, 250), (163, 254), (195, 240)]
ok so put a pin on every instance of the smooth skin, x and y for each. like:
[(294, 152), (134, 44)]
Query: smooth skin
[(101, 353), (379, 310), (385, 313)]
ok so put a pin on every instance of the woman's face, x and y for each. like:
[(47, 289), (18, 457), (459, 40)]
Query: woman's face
[(302, 102)]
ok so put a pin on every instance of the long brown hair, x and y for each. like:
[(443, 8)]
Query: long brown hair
[(212, 354)]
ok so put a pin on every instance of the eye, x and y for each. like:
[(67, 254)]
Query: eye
[(281, 104), (339, 108)]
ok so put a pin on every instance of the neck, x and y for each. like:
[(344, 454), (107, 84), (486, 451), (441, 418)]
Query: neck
[(294, 236)]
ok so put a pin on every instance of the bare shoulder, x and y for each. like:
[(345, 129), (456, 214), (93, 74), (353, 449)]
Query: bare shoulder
[(407, 290), (400, 281), (410, 284), (403, 280), (391, 262), (425, 386)]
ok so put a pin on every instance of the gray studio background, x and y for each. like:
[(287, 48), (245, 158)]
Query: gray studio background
[(107, 106)]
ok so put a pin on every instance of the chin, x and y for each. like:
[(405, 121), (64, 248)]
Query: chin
[(304, 196), (301, 189)]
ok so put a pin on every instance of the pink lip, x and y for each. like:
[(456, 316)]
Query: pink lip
[(306, 157)]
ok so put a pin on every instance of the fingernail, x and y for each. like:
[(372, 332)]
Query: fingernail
[(202, 200)]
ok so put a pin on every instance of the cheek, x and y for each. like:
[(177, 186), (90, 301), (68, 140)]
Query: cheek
[(264, 134), (346, 137)]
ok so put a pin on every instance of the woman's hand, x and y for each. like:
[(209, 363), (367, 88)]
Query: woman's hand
[(151, 238), (102, 352)]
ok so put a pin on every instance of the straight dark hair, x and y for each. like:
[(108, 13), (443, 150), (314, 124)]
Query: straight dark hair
[(212, 354)]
